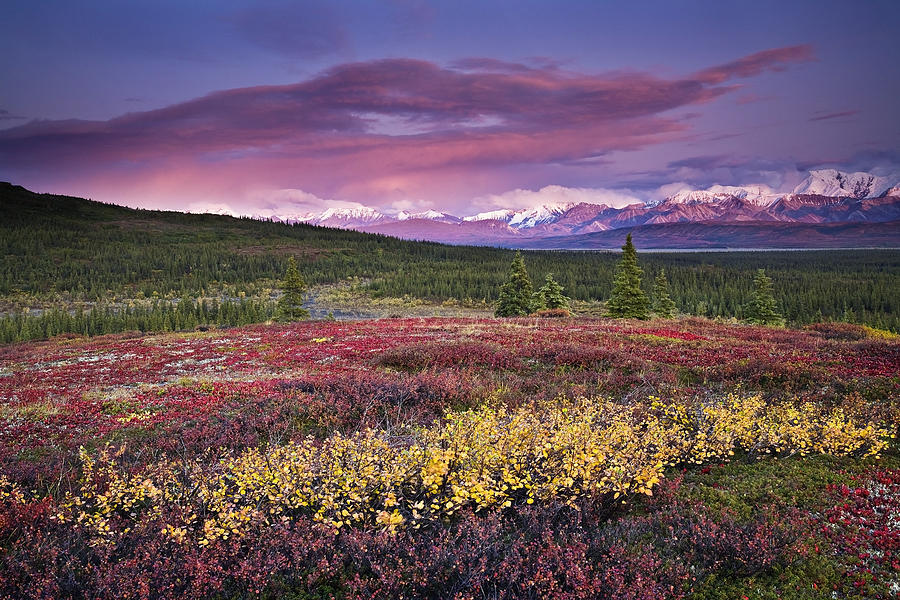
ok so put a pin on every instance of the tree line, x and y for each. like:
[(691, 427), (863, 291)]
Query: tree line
[(60, 252), (158, 316), (627, 300)]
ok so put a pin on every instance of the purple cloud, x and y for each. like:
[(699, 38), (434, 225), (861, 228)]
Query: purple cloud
[(775, 59), (5, 115), (834, 115), (380, 128)]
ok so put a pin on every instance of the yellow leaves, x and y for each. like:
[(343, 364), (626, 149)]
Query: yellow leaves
[(179, 534), (435, 468), (389, 521), (484, 459), (10, 492)]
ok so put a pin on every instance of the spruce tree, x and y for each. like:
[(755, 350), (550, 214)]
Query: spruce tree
[(516, 294), (761, 310), (663, 305), (290, 305), (550, 295), (628, 300)]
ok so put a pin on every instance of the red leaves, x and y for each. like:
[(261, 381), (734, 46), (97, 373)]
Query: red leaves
[(59, 396), (192, 397), (865, 531), (673, 334)]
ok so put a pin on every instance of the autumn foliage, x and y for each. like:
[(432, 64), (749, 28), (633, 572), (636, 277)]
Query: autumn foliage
[(436, 458)]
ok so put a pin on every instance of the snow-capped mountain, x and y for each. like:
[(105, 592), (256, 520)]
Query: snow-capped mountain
[(428, 215), (538, 215), (346, 218), (759, 195), (826, 197), (831, 182), (504, 214), (525, 218)]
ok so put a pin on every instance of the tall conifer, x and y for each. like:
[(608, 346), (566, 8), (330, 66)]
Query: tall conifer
[(290, 305), (516, 294), (628, 300), (762, 308), (550, 295), (663, 305)]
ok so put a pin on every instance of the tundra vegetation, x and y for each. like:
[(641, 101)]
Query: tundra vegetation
[(453, 458)]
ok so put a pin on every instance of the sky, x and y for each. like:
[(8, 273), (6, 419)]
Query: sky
[(282, 108)]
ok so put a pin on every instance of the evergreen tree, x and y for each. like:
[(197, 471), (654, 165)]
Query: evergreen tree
[(550, 295), (848, 316), (628, 300), (663, 305), (290, 305), (516, 294), (761, 309)]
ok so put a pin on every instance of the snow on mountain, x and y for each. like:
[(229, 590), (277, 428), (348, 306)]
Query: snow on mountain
[(494, 215), (831, 182), (760, 195), (526, 218), (361, 213), (347, 217), (538, 215), (429, 215), (827, 196)]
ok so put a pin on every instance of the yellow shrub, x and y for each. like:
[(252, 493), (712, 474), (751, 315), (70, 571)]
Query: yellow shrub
[(487, 458)]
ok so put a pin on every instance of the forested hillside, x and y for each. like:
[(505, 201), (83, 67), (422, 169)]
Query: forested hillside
[(60, 251)]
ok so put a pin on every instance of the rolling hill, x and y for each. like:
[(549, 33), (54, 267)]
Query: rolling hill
[(65, 253)]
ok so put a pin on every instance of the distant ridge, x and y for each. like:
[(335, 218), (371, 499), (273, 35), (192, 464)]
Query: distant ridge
[(737, 235), (825, 196), (718, 218)]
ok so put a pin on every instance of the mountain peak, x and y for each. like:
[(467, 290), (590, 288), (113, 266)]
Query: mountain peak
[(758, 194), (428, 215), (347, 218), (538, 215), (831, 182), (503, 214)]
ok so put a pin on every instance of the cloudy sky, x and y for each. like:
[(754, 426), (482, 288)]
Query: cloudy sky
[(271, 107)]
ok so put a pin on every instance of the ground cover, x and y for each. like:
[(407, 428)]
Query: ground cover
[(457, 458)]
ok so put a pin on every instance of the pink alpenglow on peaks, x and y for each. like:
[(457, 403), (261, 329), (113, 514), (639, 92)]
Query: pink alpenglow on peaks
[(821, 199), (284, 109)]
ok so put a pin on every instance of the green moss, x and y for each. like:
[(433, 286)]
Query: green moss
[(748, 487), (807, 578), (746, 484)]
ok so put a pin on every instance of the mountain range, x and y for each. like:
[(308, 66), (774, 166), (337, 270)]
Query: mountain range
[(754, 215)]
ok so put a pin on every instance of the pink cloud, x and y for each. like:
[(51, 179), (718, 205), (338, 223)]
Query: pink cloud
[(775, 59), (380, 131)]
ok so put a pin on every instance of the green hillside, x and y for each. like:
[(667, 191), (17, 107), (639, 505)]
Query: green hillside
[(67, 254)]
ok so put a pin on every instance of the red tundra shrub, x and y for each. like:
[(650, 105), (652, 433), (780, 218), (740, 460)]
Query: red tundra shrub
[(449, 354), (864, 529), (838, 331), (194, 401)]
